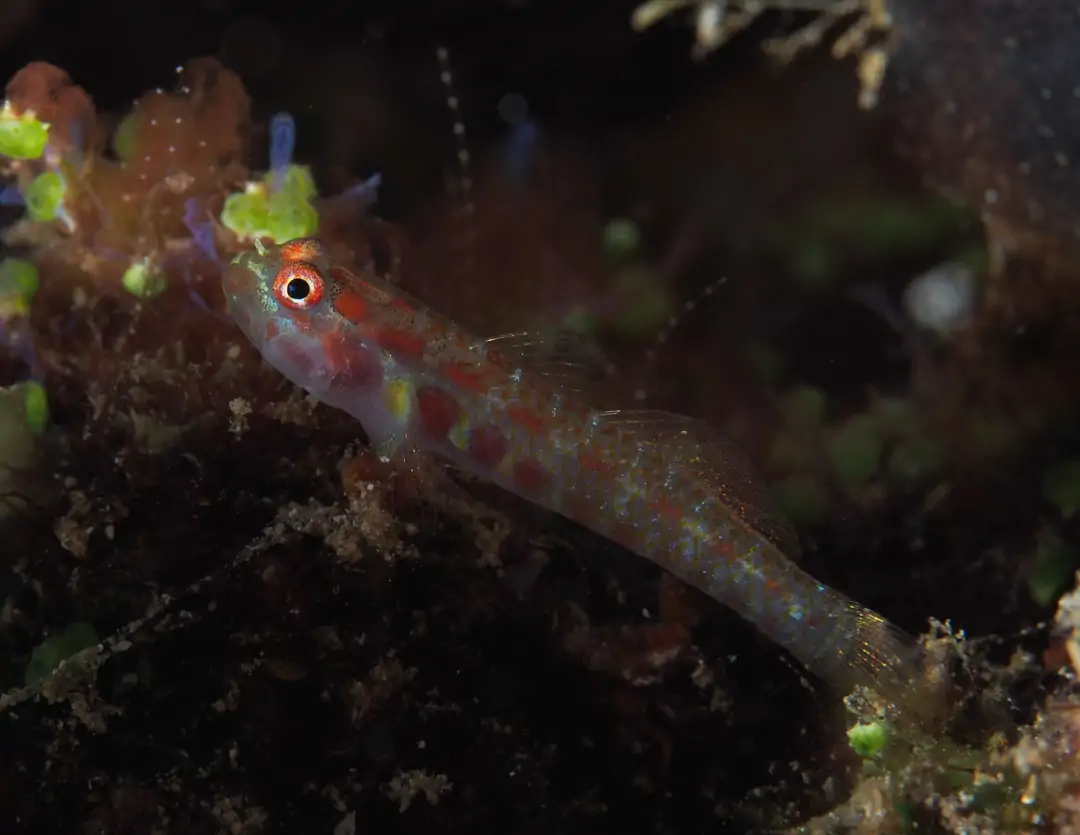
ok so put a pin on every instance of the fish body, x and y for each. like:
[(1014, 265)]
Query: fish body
[(510, 410)]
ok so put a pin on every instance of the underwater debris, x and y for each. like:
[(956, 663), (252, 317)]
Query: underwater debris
[(983, 104), (717, 21)]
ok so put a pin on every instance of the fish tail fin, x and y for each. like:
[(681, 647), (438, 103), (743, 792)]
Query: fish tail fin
[(888, 660)]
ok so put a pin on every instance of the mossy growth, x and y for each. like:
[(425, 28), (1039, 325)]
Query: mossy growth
[(53, 651), (18, 284), (815, 459), (22, 136), (45, 197), (278, 207)]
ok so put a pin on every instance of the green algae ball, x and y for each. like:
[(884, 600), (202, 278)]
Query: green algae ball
[(1061, 486), (45, 197), (804, 407), (290, 216), (867, 739), (22, 137), (644, 302), (855, 450), (622, 238), (143, 280), (916, 459), (278, 208), (36, 404), (801, 499), (814, 264), (123, 138), (245, 214), (1055, 567), (896, 416), (50, 653), (18, 283), (766, 359), (789, 453), (18, 276), (580, 319), (296, 182)]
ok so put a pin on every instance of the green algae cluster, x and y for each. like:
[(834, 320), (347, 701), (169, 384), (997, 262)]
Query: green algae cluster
[(52, 652), (45, 197), (22, 136), (278, 207), (815, 459), (18, 284)]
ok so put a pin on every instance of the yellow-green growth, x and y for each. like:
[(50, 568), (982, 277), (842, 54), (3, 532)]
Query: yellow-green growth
[(289, 218), (867, 739), (295, 180), (53, 651), (916, 459), (144, 280), (36, 403), (21, 135), (18, 283), (855, 450), (245, 213), (45, 197), (644, 302), (622, 239), (1061, 486), (804, 407), (802, 499), (123, 139), (1054, 569), (279, 207)]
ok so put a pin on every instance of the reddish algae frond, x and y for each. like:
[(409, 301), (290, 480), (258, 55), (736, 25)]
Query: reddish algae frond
[(175, 157)]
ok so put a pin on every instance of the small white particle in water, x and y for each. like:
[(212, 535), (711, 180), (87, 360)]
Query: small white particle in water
[(943, 298), (513, 108)]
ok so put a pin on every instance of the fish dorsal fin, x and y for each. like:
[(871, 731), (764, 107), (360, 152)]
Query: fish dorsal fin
[(722, 465), (567, 360)]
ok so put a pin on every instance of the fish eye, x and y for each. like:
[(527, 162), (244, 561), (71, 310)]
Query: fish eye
[(298, 286)]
